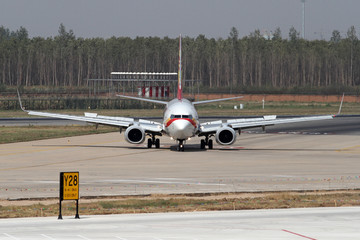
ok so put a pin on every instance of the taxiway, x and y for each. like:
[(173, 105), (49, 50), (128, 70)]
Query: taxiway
[(108, 165)]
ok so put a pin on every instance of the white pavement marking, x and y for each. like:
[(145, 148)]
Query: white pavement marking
[(157, 182), (12, 237), (48, 237), (80, 236)]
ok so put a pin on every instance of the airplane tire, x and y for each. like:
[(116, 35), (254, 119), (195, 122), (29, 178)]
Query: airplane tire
[(202, 144), (181, 147), (157, 143), (150, 143), (210, 144)]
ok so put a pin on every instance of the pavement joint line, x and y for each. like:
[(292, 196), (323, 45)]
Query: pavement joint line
[(54, 148), (84, 160)]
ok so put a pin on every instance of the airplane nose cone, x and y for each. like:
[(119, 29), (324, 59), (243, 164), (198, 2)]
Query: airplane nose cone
[(183, 129)]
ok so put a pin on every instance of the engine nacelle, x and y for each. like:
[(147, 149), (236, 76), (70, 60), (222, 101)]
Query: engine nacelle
[(225, 136), (135, 135)]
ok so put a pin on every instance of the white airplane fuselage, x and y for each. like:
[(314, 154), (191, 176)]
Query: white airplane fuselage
[(181, 120)]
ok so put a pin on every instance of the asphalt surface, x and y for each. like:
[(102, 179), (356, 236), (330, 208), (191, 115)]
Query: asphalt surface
[(306, 156), (311, 223), (108, 165)]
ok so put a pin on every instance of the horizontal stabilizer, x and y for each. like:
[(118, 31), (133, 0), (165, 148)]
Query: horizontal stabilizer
[(215, 100), (144, 99)]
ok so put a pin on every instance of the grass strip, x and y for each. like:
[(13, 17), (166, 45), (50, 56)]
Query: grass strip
[(183, 203), (31, 133), (220, 109)]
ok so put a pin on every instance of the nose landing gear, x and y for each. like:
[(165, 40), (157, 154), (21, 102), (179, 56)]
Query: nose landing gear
[(181, 147)]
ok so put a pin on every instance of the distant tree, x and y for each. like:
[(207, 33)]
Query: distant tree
[(234, 34), (293, 34), (256, 34), (22, 33), (4, 33), (63, 34), (352, 38), (351, 34), (336, 37), (277, 34)]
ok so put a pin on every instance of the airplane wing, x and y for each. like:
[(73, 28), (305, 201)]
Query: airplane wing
[(245, 123), (148, 126)]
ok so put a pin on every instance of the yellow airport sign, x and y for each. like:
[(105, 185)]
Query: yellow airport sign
[(69, 189), (70, 185)]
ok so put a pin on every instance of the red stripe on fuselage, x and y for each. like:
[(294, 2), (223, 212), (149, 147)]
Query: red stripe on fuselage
[(168, 123)]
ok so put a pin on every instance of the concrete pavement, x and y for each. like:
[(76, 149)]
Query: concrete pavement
[(296, 224)]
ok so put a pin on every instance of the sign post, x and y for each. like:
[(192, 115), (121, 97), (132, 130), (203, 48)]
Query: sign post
[(69, 190)]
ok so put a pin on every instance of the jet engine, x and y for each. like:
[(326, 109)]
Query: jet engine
[(135, 134), (225, 136)]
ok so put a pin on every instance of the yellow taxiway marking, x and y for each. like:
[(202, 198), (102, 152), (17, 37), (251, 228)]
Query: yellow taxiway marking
[(352, 149)]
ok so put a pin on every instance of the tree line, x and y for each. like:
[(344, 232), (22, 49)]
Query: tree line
[(232, 63)]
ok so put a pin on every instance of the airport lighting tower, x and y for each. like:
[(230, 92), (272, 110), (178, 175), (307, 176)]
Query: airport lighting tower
[(303, 19)]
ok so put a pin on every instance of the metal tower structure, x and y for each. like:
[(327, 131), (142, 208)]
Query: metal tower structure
[(303, 19)]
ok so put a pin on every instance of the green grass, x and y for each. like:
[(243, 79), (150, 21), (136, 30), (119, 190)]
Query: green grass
[(219, 109), (30, 133)]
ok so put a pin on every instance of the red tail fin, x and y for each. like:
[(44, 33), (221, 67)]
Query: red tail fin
[(179, 93)]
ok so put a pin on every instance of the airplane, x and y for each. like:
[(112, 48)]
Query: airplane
[(180, 121)]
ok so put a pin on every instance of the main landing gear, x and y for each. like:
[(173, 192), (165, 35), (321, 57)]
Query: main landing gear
[(206, 142), (153, 141)]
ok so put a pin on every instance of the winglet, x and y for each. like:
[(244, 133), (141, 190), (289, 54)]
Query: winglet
[(179, 93), (342, 100), (21, 106)]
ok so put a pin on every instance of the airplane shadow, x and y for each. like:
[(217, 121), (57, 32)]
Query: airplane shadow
[(277, 149), (188, 148), (93, 146), (196, 148)]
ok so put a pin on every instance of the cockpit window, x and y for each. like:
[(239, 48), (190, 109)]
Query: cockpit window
[(172, 116)]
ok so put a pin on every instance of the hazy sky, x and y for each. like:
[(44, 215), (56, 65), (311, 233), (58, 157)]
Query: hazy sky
[(213, 18)]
